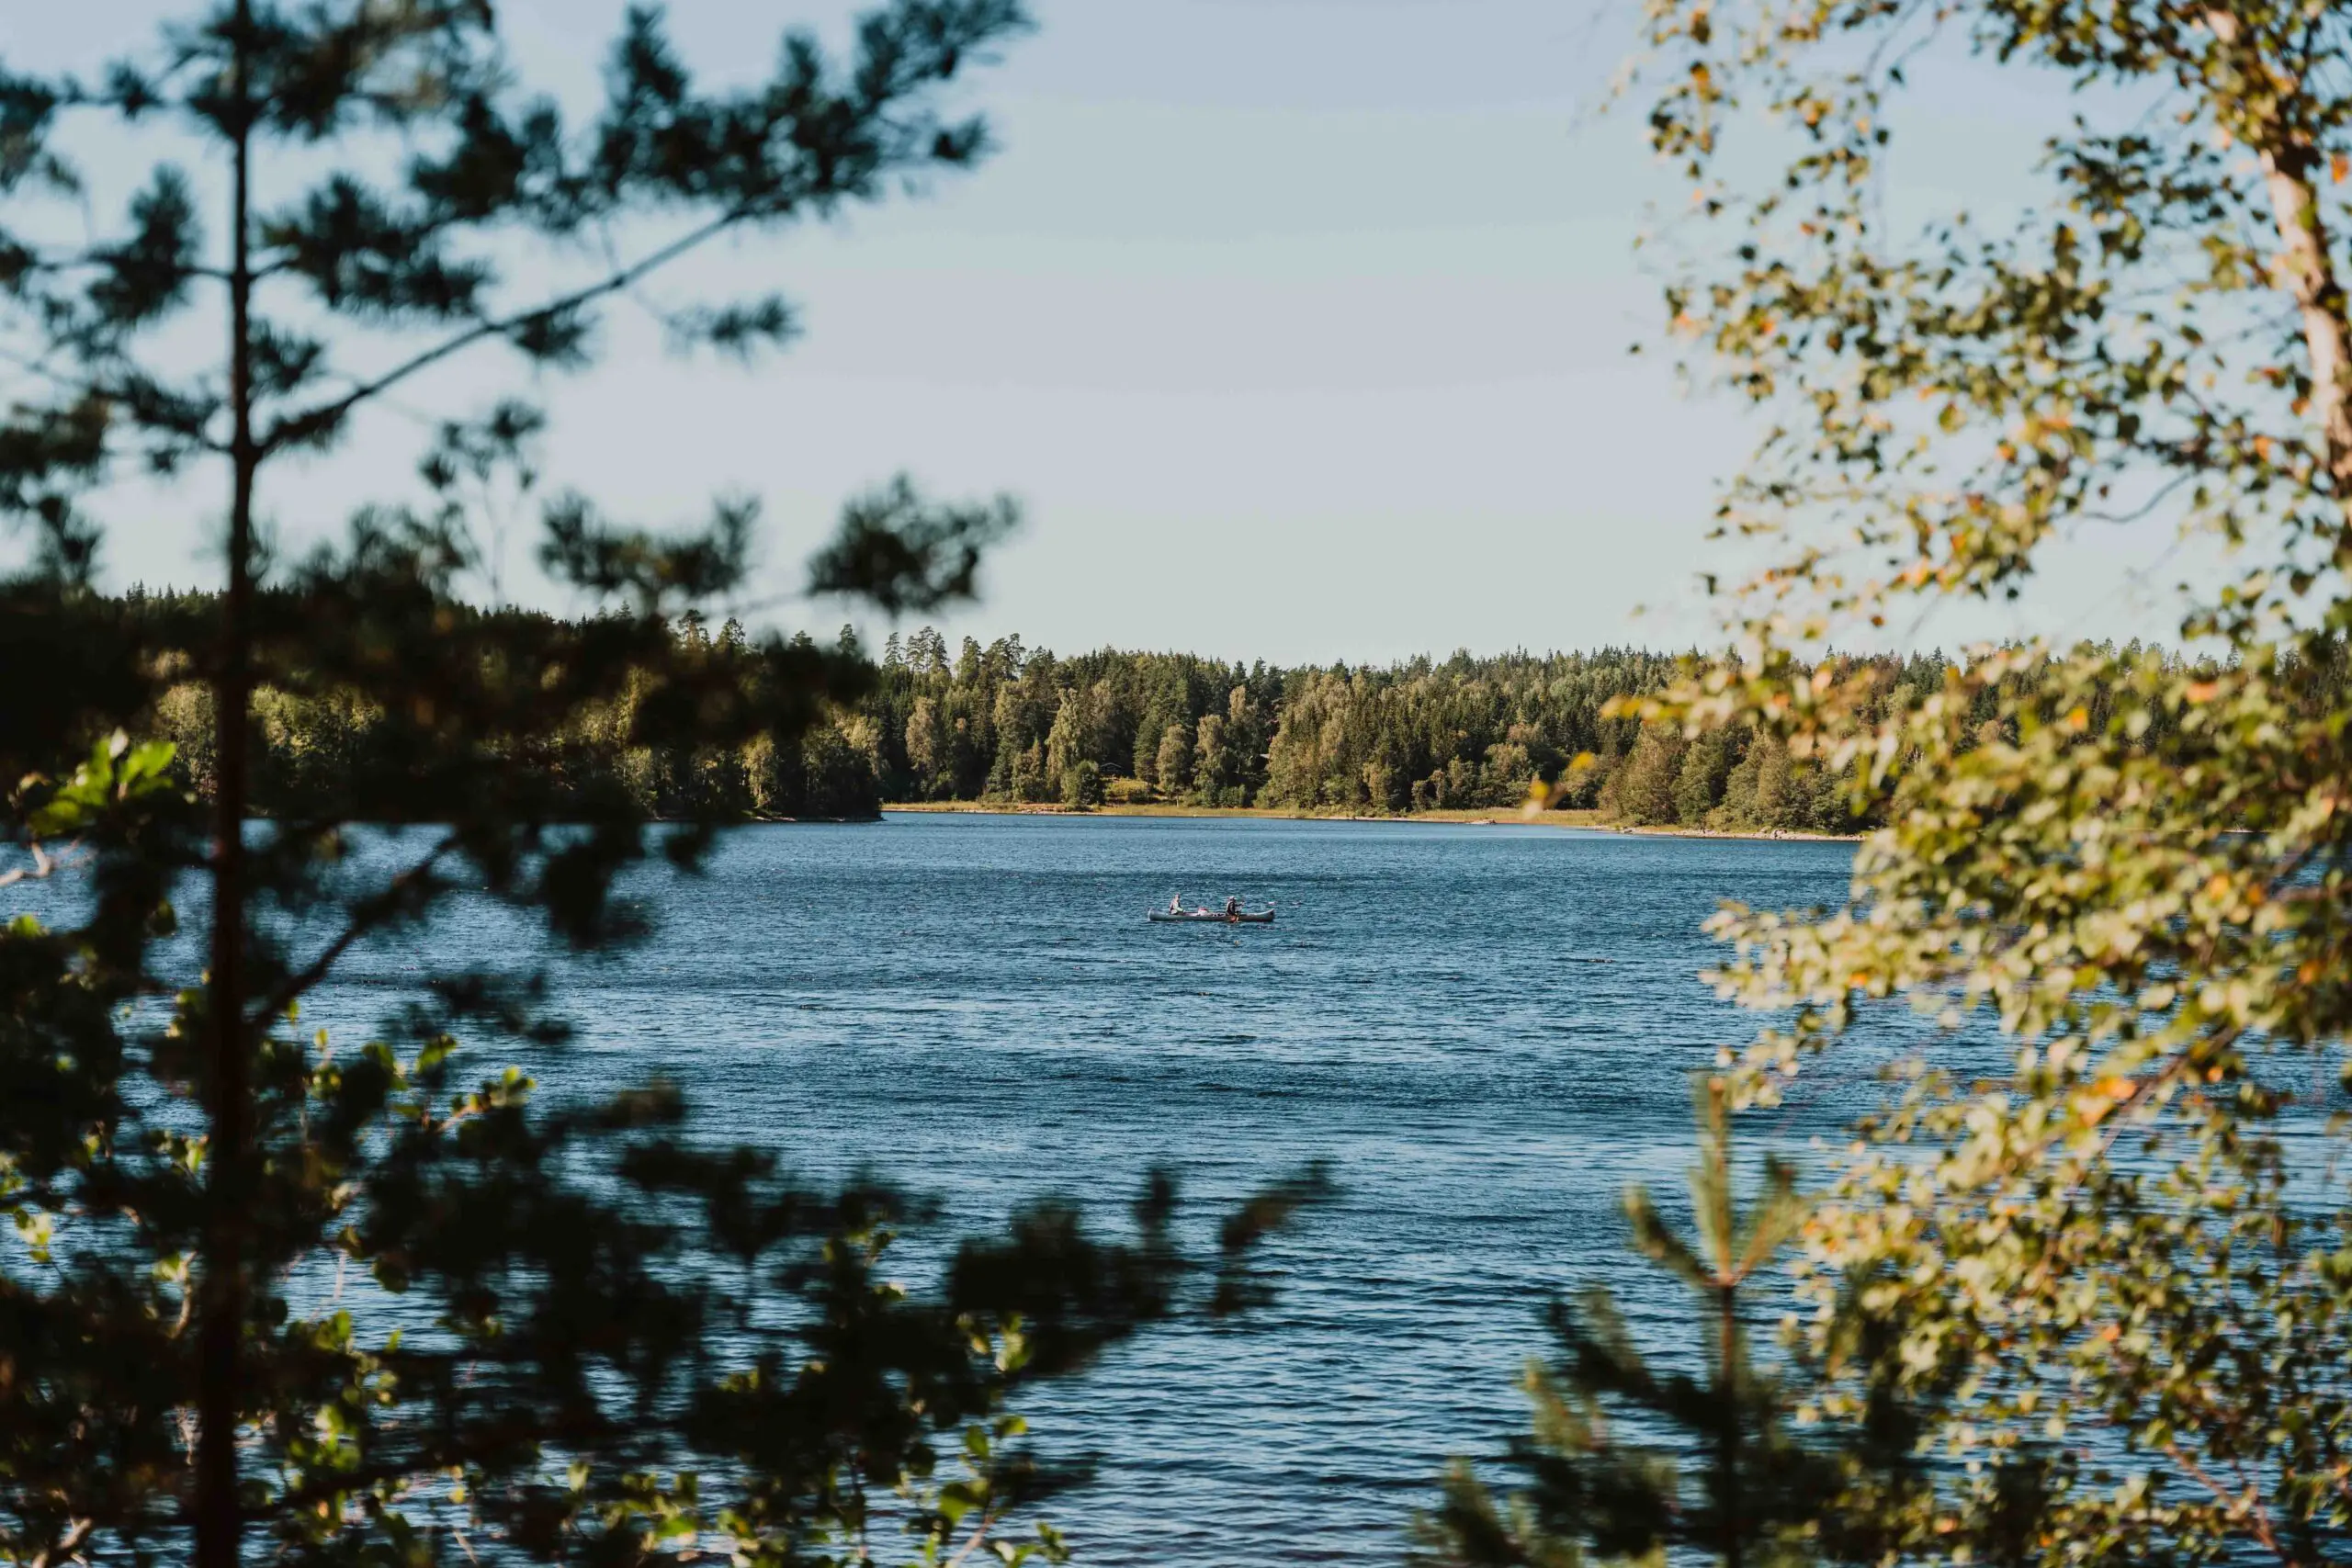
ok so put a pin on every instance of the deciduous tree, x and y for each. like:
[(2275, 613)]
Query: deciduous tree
[(2123, 1253)]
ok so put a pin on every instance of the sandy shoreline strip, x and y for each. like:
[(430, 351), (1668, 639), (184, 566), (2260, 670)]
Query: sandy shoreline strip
[(1590, 821)]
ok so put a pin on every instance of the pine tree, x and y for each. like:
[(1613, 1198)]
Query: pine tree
[(1175, 761), (1629, 1462), (1065, 738), (1212, 760), (1642, 790), (626, 1346), (1699, 783), (926, 746)]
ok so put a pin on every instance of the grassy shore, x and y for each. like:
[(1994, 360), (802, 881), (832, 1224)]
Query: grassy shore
[(1490, 816)]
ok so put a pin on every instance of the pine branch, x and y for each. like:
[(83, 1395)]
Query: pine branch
[(379, 910), (316, 425)]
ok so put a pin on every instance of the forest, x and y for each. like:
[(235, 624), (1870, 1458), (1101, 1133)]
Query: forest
[(312, 740), (1009, 723), (1018, 726)]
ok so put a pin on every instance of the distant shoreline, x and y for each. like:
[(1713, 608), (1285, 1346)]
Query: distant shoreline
[(1590, 821)]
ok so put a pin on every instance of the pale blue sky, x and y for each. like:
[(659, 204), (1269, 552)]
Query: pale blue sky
[(1299, 326)]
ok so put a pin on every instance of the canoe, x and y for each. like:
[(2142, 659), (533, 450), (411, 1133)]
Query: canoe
[(1212, 918)]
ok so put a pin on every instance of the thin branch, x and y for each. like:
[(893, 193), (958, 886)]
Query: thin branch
[(300, 426), (67, 1546), (2242, 1504), (2145, 1089), (2163, 494), (38, 872), (980, 1534), (39, 367), (376, 912), (98, 257), (110, 390)]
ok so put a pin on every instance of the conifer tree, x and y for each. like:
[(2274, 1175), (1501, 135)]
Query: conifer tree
[(1627, 1461), (334, 1302), (1174, 761)]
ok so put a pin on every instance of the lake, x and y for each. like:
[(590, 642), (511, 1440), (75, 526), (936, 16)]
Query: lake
[(1487, 1030)]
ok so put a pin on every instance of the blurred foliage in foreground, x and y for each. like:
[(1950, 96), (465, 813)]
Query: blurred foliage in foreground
[(311, 736), (1630, 1461), (2112, 1283), (271, 1295)]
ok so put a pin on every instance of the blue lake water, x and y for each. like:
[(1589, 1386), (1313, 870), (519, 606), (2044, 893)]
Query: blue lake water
[(1486, 1031)]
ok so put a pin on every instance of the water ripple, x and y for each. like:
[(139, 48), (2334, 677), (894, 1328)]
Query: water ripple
[(1486, 1031)]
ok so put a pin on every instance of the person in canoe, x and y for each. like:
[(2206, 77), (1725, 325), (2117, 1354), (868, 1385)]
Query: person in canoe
[(1176, 903), (1232, 908)]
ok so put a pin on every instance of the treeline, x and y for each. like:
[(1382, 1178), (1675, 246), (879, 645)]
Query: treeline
[(1007, 723), (1004, 722), (1010, 724), (309, 743)]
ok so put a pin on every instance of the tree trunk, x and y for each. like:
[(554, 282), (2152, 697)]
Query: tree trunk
[(2290, 165), (228, 1159), (1727, 1398), (2310, 274)]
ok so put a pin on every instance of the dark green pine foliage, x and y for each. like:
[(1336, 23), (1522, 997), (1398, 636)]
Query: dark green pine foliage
[(1008, 722), (1481, 734), (1630, 1463), (315, 735), (270, 1294)]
